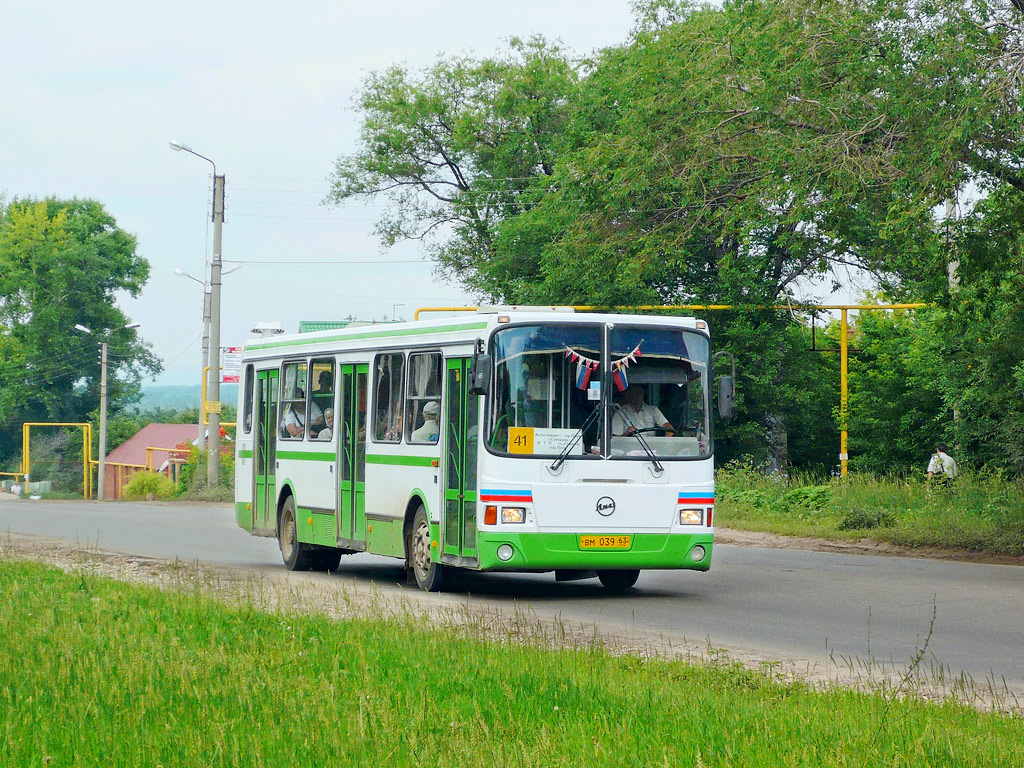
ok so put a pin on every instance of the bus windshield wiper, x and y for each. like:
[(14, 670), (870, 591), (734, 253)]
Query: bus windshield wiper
[(647, 448), (649, 451), (579, 434)]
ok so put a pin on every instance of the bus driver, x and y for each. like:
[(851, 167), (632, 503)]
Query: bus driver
[(634, 414)]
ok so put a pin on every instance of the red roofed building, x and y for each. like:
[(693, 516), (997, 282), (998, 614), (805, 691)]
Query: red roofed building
[(160, 447)]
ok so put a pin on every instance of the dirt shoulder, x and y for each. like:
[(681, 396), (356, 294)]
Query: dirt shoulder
[(856, 547)]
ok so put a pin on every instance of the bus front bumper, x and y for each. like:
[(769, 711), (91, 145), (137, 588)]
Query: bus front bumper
[(556, 551)]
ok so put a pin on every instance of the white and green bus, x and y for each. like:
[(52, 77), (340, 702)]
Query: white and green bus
[(513, 439)]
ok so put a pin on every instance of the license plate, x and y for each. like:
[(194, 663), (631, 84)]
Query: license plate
[(606, 542)]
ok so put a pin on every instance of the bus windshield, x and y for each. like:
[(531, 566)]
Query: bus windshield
[(659, 393), (551, 378)]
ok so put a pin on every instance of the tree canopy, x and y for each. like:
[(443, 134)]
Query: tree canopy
[(62, 263), (731, 155)]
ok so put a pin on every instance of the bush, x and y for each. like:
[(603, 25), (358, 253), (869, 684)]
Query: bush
[(862, 519), (192, 482), (814, 497), (146, 483)]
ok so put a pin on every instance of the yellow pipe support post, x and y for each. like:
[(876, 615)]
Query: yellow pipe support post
[(844, 394), (86, 450), (151, 449), (202, 405)]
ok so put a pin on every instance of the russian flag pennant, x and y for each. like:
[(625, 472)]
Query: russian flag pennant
[(619, 377), (583, 372)]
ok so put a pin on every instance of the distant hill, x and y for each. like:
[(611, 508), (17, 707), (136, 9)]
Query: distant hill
[(180, 397)]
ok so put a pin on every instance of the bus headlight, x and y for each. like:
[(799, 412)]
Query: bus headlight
[(505, 552), (513, 514), (698, 553), (691, 517)]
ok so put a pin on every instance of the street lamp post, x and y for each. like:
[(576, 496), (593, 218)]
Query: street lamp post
[(101, 464), (213, 454), (201, 440)]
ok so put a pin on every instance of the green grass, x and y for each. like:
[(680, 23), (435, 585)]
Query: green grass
[(982, 514), (96, 672), (60, 496)]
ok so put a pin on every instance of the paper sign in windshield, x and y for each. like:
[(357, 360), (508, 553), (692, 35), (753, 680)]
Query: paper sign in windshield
[(543, 442)]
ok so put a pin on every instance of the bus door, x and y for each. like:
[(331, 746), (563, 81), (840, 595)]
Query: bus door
[(352, 456), (460, 454), (264, 508)]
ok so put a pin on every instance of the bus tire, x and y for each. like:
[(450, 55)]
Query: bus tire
[(326, 559), (430, 576), (296, 555), (618, 581)]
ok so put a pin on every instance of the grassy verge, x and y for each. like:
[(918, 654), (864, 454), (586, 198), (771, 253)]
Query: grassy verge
[(97, 672), (977, 513), (61, 496)]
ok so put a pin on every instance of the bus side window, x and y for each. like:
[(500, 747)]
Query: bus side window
[(423, 405), (247, 400), (293, 419), (388, 397), (322, 396)]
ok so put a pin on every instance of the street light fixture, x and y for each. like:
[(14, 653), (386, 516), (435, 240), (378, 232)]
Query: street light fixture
[(101, 468), (213, 454)]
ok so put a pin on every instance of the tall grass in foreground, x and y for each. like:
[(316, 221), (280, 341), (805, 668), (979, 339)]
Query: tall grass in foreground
[(983, 514), (95, 672)]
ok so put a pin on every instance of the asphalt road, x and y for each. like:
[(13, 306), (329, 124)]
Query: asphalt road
[(817, 608)]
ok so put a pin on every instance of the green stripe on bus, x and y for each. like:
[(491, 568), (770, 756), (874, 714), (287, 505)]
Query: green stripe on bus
[(245, 454), (370, 335), (302, 455), (404, 461)]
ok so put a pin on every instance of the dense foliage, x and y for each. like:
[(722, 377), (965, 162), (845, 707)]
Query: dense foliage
[(978, 513), (62, 263), (743, 155)]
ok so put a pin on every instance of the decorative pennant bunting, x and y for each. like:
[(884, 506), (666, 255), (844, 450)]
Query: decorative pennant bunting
[(585, 367)]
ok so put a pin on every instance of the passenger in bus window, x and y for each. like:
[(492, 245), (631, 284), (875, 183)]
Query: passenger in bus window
[(327, 432), (429, 430), (295, 418)]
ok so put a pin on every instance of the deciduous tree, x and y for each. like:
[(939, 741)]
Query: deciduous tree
[(62, 263)]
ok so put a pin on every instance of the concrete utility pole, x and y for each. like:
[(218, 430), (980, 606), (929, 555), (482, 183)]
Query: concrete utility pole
[(201, 438), (212, 406), (213, 457), (101, 461)]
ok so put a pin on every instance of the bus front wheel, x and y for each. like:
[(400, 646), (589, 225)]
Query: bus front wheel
[(296, 555), (618, 581), (429, 575)]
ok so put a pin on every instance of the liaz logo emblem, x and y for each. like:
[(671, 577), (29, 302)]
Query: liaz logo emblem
[(605, 506)]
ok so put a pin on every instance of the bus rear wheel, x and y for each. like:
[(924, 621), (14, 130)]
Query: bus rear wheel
[(430, 576), (296, 555), (618, 581)]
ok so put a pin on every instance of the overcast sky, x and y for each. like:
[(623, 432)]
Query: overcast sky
[(92, 92)]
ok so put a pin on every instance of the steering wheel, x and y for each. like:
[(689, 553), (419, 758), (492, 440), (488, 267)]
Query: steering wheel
[(660, 430)]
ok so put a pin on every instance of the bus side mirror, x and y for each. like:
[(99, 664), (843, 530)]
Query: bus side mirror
[(726, 397), (480, 373)]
